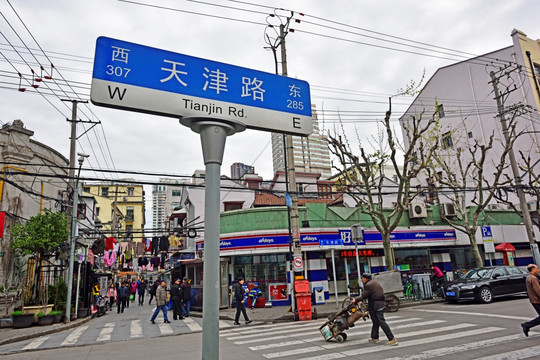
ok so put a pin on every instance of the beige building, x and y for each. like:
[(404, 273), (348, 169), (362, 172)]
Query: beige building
[(128, 221)]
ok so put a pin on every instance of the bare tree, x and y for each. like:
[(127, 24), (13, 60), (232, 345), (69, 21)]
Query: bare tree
[(462, 181), (363, 175)]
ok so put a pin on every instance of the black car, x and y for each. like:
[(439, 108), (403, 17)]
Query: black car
[(485, 284)]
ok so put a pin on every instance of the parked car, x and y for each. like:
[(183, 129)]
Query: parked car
[(485, 284)]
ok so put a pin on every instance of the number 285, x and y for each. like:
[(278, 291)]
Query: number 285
[(117, 71), (293, 104)]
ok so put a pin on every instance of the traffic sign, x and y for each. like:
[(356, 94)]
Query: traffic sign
[(487, 237), (145, 79), (298, 263)]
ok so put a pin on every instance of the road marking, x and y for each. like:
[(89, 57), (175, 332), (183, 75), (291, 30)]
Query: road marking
[(36, 343), (74, 336), (105, 334), (165, 329), (475, 314), (515, 355), (224, 324), (329, 346), (461, 348), (136, 329), (282, 328), (433, 339), (278, 337), (192, 325), (349, 334)]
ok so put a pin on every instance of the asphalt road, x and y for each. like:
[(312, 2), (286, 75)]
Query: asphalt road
[(441, 331)]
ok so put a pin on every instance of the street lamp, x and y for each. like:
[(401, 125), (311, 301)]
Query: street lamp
[(73, 237)]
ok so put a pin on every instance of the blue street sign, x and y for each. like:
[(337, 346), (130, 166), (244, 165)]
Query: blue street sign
[(145, 79), (486, 231)]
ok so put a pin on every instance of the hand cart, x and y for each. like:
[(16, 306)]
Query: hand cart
[(392, 287), (342, 320)]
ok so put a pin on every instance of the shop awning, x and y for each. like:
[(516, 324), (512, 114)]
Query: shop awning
[(505, 247)]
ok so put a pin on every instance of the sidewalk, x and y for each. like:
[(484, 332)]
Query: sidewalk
[(259, 315)]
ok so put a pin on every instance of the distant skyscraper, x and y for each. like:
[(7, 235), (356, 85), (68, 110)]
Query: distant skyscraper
[(238, 170), (311, 154), (165, 199)]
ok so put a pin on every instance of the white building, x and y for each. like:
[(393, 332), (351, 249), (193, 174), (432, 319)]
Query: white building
[(311, 154), (468, 111), (165, 199)]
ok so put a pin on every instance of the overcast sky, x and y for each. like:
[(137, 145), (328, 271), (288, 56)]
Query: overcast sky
[(338, 47)]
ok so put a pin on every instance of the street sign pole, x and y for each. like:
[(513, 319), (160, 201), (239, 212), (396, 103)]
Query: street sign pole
[(213, 135)]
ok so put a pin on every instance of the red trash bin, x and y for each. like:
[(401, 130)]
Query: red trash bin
[(303, 299)]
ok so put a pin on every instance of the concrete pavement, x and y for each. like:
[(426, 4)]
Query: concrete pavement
[(258, 315)]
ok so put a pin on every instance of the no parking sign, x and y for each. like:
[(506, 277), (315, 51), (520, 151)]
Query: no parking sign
[(298, 263)]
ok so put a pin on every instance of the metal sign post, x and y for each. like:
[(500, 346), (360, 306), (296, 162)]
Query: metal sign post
[(215, 100)]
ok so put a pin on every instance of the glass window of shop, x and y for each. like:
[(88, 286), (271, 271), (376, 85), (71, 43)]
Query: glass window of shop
[(417, 260), (351, 268), (263, 269)]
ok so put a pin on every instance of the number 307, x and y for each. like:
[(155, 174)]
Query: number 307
[(117, 71), (293, 104)]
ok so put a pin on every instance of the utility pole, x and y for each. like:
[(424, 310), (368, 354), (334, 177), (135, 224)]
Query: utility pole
[(73, 139), (515, 170), (289, 153)]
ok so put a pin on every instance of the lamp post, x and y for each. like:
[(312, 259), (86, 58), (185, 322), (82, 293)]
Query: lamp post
[(73, 237)]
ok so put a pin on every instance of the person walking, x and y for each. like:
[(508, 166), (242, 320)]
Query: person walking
[(122, 294), (176, 298), (373, 291), (111, 294), (240, 296), (533, 290), (186, 296), (141, 289), (95, 292), (153, 290), (128, 288), (161, 302), (134, 287)]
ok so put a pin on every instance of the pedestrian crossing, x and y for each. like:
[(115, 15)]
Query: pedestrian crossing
[(108, 332), (418, 339)]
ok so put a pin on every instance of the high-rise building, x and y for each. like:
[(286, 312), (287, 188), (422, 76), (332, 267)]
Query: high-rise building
[(239, 169), (311, 154), (165, 199)]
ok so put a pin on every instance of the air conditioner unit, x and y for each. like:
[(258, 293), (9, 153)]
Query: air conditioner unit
[(417, 210), (448, 209), (493, 207)]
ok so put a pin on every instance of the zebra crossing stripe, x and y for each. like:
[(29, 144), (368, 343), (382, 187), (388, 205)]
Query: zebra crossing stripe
[(192, 325), (36, 343), (422, 341), (74, 336), (349, 333), (462, 347), (475, 314), (515, 355), (224, 324), (105, 334), (278, 337), (253, 332), (165, 329), (136, 329)]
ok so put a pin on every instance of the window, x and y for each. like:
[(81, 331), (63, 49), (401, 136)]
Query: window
[(176, 193), (325, 192), (97, 211), (81, 211), (130, 191), (537, 71), (446, 141), (440, 109), (300, 189), (105, 191), (86, 189), (232, 205), (130, 214)]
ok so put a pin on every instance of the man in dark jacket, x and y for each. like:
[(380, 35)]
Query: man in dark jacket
[(176, 297), (374, 292), (186, 296), (533, 290), (142, 288), (153, 290), (239, 296), (122, 294)]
